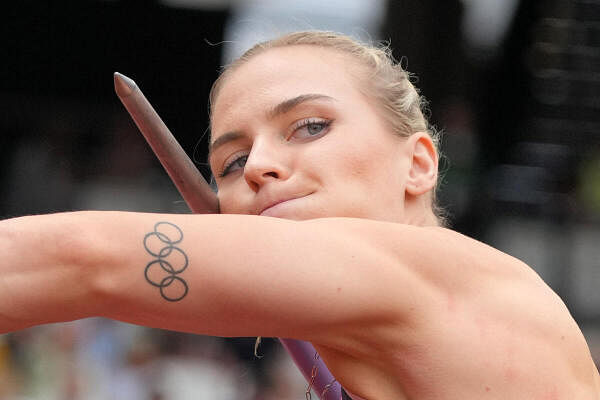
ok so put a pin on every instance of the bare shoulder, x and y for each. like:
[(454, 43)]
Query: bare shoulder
[(483, 321), (519, 335)]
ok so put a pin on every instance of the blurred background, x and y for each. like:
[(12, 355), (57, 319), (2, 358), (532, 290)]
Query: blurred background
[(513, 84)]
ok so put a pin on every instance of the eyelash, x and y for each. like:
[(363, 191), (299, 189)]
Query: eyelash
[(303, 123), (231, 164), (295, 128)]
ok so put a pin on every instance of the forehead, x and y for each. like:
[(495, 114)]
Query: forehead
[(282, 73)]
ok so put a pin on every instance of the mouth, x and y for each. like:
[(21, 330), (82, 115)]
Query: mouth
[(270, 208)]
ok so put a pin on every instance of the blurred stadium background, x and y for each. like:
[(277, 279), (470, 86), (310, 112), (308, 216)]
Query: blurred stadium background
[(513, 84)]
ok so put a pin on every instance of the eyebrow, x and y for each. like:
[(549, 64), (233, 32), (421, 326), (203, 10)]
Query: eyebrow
[(281, 108), (287, 105)]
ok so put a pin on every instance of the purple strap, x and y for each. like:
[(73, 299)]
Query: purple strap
[(303, 353)]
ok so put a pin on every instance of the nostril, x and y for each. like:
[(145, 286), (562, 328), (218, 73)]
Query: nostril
[(271, 174)]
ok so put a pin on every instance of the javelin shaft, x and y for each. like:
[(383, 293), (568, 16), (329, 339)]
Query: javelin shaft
[(182, 171), (202, 200)]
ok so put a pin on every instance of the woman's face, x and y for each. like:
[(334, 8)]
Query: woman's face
[(293, 137)]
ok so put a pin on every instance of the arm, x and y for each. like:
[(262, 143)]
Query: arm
[(353, 287), (246, 275)]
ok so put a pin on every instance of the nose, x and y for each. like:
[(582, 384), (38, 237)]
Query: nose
[(266, 163)]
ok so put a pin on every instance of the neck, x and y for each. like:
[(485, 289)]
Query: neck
[(419, 212)]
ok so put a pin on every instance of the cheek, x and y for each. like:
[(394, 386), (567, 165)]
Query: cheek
[(361, 161), (341, 171), (230, 200), (375, 169)]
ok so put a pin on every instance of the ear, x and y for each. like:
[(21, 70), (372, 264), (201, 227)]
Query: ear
[(423, 172)]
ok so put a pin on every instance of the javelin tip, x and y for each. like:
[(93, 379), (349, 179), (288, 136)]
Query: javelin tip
[(124, 86)]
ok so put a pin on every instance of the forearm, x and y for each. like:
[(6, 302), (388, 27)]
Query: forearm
[(43, 277), (67, 266)]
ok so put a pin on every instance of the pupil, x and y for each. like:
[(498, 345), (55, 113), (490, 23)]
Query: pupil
[(241, 161), (313, 129)]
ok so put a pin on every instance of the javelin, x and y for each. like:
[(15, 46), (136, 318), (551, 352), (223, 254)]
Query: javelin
[(201, 199)]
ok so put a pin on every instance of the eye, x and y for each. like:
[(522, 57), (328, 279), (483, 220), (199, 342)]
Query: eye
[(234, 165), (309, 128)]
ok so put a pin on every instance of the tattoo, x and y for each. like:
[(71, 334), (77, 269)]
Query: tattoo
[(160, 243)]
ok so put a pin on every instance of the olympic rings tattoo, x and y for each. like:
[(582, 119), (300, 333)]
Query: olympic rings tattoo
[(171, 286)]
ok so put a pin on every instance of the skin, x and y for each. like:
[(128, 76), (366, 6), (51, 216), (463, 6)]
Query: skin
[(354, 155), (398, 307)]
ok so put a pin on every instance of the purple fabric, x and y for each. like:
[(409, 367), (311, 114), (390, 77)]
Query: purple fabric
[(303, 354)]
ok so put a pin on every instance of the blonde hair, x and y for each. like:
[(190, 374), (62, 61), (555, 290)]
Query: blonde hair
[(386, 81)]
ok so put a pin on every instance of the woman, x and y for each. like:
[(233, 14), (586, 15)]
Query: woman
[(326, 135)]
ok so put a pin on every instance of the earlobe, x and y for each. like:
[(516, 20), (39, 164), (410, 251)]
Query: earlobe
[(423, 172)]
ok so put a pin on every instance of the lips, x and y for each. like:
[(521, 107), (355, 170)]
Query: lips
[(270, 204)]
